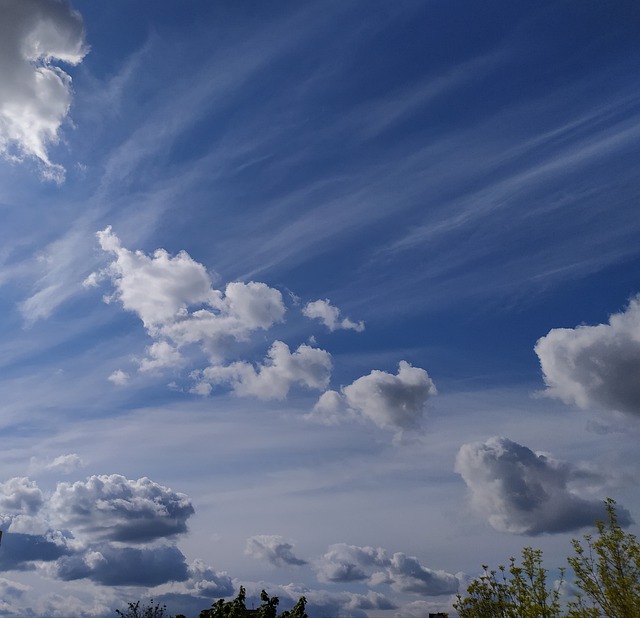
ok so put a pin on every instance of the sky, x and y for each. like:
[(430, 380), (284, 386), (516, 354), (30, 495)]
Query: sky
[(335, 299)]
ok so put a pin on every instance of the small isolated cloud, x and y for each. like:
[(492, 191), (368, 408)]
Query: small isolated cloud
[(63, 464), (114, 508), (344, 563), (306, 366), (35, 94), (119, 377), (595, 366), (522, 492), (329, 315), (348, 563), (390, 401), (274, 549)]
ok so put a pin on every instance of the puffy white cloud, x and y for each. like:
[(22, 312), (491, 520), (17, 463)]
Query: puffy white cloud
[(595, 366), (347, 563), (178, 305), (523, 492), (20, 495), (329, 315), (204, 581), (307, 366), (408, 575), (35, 94), (114, 508), (119, 377), (274, 549), (390, 401)]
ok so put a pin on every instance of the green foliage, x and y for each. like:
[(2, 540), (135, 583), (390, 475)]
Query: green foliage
[(521, 591), (237, 608), (298, 610), (136, 610), (607, 571)]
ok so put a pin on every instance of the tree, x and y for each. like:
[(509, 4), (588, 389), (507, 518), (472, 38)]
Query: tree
[(298, 610), (521, 591), (237, 608), (607, 571), (136, 610)]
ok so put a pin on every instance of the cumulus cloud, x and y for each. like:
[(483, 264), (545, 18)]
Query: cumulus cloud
[(390, 401), (595, 366), (306, 366), (523, 492), (114, 508), (125, 566), (348, 563), (119, 377), (35, 93), (21, 551), (206, 582), (329, 315), (107, 529), (274, 549), (20, 495), (174, 297)]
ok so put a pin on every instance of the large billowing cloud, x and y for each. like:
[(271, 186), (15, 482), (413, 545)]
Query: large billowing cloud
[(307, 366), (329, 315), (35, 94), (108, 529), (523, 492), (595, 366), (114, 508), (125, 566), (390, 401), (274, 549), (348, 563)]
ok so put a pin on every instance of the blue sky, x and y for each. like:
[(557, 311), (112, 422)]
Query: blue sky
[(335, 299)]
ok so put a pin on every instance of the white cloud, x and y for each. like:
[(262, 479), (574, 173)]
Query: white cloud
[(523, 492), (348, 563), (174, 298), (307, 366), (112, 507), (329, 315), (119, 377), (390, 401), (274, 549), (35, 95), (595, 366), (64, 464), (20, 495)]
